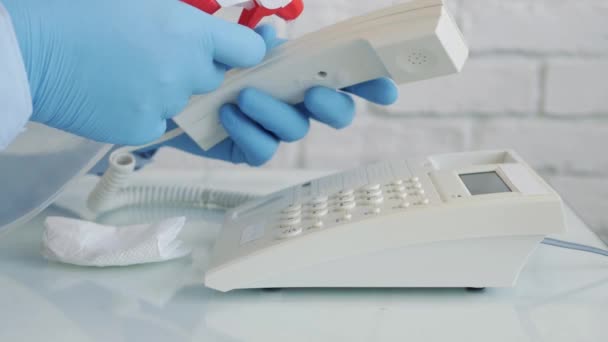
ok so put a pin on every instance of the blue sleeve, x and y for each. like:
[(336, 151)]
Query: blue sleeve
[(15, 97)]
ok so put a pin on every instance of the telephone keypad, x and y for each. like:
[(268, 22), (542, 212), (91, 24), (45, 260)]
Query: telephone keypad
[(403, 205), (374, 211), (291, 215), (397, 189), (345, 199), (348, 192), (289, 232), (344, 218), (422, 202), (399, 196), (373, 199), (319, 206), (371, 193), (320, 212), (346, 206), (416, 186), (292, 208), (371, 187), (290, 222)]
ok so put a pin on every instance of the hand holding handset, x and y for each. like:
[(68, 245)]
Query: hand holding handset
[(408, 42)]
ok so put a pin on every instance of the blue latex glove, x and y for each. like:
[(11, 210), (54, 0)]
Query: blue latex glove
[(116, 70), (258, 123)]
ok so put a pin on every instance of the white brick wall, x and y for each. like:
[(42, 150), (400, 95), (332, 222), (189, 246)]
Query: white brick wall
[(374, 138), (556, 147), (577, 86), (486, 86), (537, 81), (569, 27)]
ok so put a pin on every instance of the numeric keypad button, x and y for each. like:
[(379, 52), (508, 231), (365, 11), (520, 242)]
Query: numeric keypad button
[(371, 193), (399, 196), (290, 222), (371, 187), (403, 205), (349, 205), (346, 192), (373, 200), (344, 218), (422, 202), (397, 189), (289, 232), (291, 214), (292, 208), (320, 212), (319, 206)]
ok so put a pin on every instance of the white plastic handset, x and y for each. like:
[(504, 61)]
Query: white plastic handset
[(408, 42)]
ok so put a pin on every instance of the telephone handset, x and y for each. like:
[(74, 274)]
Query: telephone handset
[(454, 220), (408, 42)]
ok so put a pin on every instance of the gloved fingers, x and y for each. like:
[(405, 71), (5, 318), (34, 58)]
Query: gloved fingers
[(382, 91), (329, 106), (209, 80), (208, 77), (237, 156), (234, 45), (257, 145), (144, 134), (269, 34), (227, 150), (175, 105), (283, 120), (231, 44)]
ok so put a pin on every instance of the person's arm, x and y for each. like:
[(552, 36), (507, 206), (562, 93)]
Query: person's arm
[(15, 99)]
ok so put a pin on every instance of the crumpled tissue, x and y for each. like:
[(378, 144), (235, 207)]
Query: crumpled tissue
[(86, 243)]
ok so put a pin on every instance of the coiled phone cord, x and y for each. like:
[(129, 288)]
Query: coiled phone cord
[(113, 190)]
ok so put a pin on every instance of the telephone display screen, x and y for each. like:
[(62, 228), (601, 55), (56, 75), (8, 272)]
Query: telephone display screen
[(484, 183)]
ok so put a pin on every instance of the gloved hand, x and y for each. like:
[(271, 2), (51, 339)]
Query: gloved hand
[(116, 70), (258, 123)]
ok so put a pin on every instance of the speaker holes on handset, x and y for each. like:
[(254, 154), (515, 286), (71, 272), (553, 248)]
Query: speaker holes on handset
[(417, 58), (415, 61)]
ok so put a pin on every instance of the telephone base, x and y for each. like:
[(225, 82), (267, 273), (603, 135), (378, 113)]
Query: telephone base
[(463, 220)]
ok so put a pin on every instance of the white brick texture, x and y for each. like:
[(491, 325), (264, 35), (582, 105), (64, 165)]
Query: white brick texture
[(484, 87), (371, 139), (554, 146), (577, 87), (537, 26)]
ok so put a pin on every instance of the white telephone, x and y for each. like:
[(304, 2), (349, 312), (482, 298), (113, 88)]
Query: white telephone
[(453, 220), (408, 42)]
